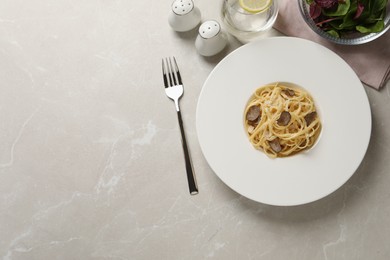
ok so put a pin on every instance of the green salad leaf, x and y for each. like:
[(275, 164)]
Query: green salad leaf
[(376, 27), (340, 17), (342, 9)]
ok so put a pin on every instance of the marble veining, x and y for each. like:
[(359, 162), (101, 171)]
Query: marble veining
[(91, 162)]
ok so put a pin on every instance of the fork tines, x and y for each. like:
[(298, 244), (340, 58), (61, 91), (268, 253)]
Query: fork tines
[(171, 73)]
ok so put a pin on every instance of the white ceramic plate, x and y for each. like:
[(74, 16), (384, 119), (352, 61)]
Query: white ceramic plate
[(302, 178)]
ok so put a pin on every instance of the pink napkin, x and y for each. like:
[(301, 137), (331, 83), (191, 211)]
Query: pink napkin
[(370, 61)]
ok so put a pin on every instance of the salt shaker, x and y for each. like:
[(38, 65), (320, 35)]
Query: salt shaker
[(184, 15), (211, 39)]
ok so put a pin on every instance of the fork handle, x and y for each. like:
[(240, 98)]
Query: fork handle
[(190, 172)]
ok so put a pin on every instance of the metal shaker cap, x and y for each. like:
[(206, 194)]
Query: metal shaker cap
[(182, 7), (209, 29)]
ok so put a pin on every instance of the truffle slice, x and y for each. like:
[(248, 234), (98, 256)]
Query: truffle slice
[(309, 118), (284, 118), (275, 145), (289, 92), (253, 113)]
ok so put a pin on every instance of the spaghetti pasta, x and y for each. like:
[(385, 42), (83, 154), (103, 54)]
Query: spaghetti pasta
[(281, 120)]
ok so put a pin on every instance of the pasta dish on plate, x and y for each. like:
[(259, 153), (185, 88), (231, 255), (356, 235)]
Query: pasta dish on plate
[(281, 120)]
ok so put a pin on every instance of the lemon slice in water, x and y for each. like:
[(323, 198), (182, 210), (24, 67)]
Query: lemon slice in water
[(255, 6)]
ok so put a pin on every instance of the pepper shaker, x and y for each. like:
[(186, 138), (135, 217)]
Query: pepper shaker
[(211, 39), (184, 15)]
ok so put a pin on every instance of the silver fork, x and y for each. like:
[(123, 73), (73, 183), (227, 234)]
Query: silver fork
[(174, 90)]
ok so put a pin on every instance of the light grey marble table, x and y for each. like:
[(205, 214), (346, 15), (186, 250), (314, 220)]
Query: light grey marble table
[(91, 164)]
